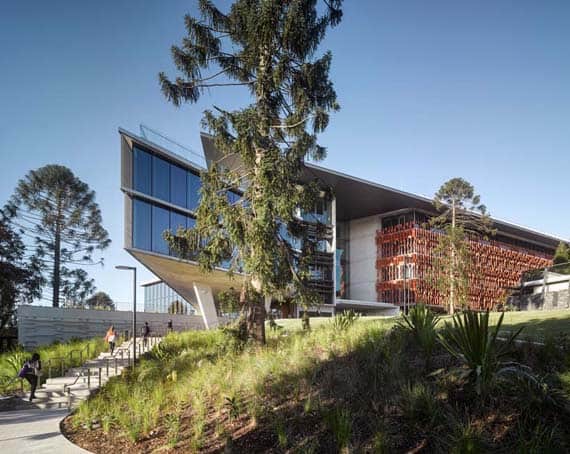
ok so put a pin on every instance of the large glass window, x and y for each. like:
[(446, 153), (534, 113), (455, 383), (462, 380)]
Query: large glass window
[(177, 221), (178, 185), (142, 166), (194, 185), (160, 223), (160, 178), (141, 225), (320, 213)]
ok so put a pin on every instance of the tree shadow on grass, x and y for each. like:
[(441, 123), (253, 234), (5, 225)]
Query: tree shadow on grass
[(355, 399), (335, 400)]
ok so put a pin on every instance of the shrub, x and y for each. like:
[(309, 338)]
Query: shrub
[(172, 423), (421, 323), (473, 342), (344, 320), (419, 405), (235, 335)]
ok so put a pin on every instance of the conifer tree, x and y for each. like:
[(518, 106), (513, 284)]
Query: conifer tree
[(461, 217), (58, 213), (20, 280), (562, 254), (269, 48), (101, 301)]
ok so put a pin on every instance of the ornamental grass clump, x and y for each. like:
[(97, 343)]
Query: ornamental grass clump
[(475, 344), (421, 323), (343, 321)]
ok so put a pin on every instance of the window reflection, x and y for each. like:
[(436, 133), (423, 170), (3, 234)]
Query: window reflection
[(160, 223), (178, 185), (141, 224), (193, 197), (142, 164), (160, 178)]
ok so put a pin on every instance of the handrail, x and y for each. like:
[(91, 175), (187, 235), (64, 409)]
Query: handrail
[(67, 387)]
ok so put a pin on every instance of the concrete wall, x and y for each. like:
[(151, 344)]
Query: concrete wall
[(546, 302), (362, 258), (38, 325)]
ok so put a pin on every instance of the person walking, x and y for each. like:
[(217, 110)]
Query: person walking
[(146, 333), (31, 372), (170, 329), (111, 338)]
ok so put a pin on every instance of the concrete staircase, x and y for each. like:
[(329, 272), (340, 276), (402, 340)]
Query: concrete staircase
[(79, 382)]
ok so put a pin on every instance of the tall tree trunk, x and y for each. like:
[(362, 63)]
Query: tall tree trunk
[(255, 313), (254, 316), (56, 278)]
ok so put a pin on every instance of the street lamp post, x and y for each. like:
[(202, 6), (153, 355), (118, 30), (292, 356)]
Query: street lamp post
[(134, 270)]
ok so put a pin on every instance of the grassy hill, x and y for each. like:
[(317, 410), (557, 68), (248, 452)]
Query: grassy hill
[(361, 387)]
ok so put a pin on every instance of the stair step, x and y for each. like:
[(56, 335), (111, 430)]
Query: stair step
[(51, 394)]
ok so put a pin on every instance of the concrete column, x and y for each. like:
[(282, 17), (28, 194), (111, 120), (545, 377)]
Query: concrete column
[(205, 299)]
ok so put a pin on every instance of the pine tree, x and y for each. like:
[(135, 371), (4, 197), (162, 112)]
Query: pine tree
[(20, 282), (461, 217), (58, 212), (267, 47), (562, 254), (101, 301)]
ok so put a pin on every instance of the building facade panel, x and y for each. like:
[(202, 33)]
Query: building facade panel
[(406, 273)]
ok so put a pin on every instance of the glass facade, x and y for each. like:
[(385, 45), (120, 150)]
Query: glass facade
[(178, 191), (160, 298), (321, 213), (142, 171), (160, 223), (164, 180), (194, 185), (160, 179), (150, 221), (142, 225), (170, 183)]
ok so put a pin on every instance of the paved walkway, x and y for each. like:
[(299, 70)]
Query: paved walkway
[(37, 430), (34, 431)]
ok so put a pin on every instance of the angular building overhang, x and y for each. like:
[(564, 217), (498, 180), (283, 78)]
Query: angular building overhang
[(182, 274), (358, 198)]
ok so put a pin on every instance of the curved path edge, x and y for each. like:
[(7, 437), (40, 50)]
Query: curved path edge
[(31, 431)]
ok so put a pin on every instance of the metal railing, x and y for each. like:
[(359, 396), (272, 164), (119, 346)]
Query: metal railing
[(87, 372)]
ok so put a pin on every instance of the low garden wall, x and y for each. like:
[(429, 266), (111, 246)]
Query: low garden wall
[(542, 301), (39, 325)]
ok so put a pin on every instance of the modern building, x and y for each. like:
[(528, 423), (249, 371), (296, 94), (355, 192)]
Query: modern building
[(160, 298), (374, 253)]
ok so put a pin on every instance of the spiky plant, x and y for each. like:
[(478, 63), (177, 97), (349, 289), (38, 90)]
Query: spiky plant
[(421, 323), (471, 340)]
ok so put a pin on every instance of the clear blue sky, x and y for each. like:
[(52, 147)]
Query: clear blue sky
[(429, 91)]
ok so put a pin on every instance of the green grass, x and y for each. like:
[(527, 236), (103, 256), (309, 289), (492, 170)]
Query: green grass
[(538, 324), (51, 356)]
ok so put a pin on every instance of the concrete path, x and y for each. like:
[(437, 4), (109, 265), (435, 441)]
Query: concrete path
[(37, 430), (34, 431)]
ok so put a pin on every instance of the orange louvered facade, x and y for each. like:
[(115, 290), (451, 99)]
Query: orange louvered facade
[(405, 256)]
